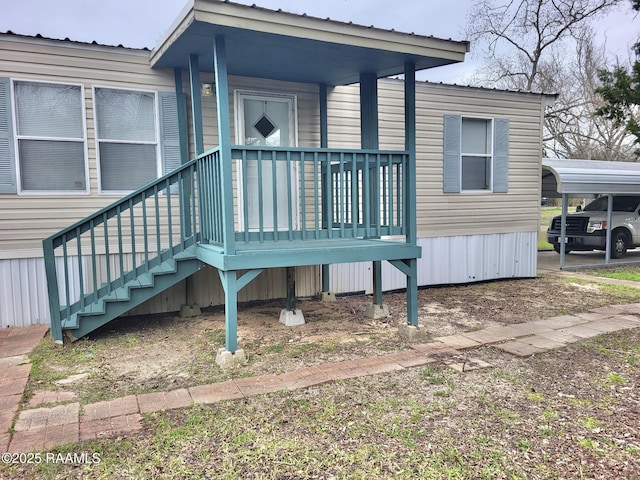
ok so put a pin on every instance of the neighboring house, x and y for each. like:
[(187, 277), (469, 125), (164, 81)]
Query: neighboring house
[(313, 135)]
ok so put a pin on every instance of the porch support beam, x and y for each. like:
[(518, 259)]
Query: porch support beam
[(410, 189), (229, 281), (224, 140), (410, 146), (324, 143), (196, 104), (369, 140), (189, 308)]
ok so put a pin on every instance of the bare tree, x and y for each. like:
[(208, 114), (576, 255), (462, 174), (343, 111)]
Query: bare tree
[(519, 36), (548, 46), (571, 128)]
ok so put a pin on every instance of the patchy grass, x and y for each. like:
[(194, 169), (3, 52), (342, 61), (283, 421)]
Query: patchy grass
[(547, 214), (619, 273), (548, 416)]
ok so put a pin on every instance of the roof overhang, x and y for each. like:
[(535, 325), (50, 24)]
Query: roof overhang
[(278, 45), (586, 177)]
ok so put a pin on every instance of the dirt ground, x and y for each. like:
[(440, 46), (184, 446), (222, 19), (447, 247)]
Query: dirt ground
[(567, 413), (144, 354)]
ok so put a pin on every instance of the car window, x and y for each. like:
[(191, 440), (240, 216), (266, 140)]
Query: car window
[(620, 204)]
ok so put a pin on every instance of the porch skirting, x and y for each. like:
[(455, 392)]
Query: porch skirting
[(450, 260), (445, 260), (24, 300)]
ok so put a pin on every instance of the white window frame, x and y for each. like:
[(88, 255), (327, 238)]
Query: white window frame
[(491, 155), (18, 137), (156, 114), (292, 98)]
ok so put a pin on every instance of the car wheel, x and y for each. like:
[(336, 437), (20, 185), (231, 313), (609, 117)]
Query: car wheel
[(619, 244), (556, 247)]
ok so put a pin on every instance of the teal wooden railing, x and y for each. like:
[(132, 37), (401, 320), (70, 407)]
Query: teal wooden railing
[(303, 194), (102, 252), (282, 194)]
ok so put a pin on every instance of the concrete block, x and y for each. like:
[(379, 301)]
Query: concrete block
[(328, 297), (226, 359), (190, 311), (377, 311), (413, 333), (292, 318)]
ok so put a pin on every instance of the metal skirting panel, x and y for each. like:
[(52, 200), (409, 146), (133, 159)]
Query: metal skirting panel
[(450, 260), (22, 288), (445, 260), (24, 299)]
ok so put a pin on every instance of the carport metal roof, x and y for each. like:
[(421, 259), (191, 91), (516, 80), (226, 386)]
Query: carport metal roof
[(562, 178), (587, 177)]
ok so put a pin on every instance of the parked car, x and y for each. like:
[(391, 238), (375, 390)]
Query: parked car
[(544, 201), (587, 229)]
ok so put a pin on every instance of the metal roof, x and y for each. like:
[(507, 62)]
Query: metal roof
[(586, 177), (279, 45)]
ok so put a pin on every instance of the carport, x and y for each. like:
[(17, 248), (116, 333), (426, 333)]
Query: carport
[(563, 178)]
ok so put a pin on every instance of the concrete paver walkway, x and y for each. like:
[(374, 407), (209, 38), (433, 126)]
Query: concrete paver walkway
[(15, 345), (44, 428)]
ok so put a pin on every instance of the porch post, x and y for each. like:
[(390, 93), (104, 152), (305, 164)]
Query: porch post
[(369, 140), (190, 308), (224, 140), (410, 188), (324, 143), (196, 104), (183, 134)]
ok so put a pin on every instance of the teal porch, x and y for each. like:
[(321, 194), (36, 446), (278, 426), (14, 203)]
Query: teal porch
[(245, 208)]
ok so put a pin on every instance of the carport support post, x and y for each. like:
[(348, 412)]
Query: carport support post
[(609, 233), (563, 228)]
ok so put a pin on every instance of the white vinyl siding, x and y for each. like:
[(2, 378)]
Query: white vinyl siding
[(127, 138), (439, 213), (50, 136)]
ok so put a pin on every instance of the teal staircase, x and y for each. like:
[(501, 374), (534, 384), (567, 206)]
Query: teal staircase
[(123, 255)]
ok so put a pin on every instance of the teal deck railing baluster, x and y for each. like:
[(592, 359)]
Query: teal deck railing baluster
[(169, 218), (65, 260), (94, 261), (274, 193), (317, 192), (80, 269), (303, 197), (132, 235), (120, 249), (289, 182), (245, 204)]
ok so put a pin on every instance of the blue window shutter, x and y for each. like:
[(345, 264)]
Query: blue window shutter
[(7, 159), (451, 166), (169, 132), (501, 155)]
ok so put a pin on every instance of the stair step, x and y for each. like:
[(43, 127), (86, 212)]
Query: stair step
[(123, 295)]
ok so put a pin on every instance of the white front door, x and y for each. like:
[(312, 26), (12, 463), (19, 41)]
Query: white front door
[(267, 120)]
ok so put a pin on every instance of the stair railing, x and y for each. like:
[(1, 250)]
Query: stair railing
[(111, 247)]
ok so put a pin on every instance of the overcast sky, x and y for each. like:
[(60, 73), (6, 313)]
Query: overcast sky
[(142, 23)]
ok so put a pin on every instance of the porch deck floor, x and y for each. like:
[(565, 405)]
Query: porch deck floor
[(285, 253)]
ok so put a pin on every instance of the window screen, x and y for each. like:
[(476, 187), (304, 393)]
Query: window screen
[(127, 139), (50, 132)]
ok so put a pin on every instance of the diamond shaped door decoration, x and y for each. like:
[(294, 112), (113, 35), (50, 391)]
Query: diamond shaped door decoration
[(265, 126)]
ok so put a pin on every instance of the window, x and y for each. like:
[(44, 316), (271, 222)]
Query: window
[(476, 154), (50, 137), (127, 138)]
